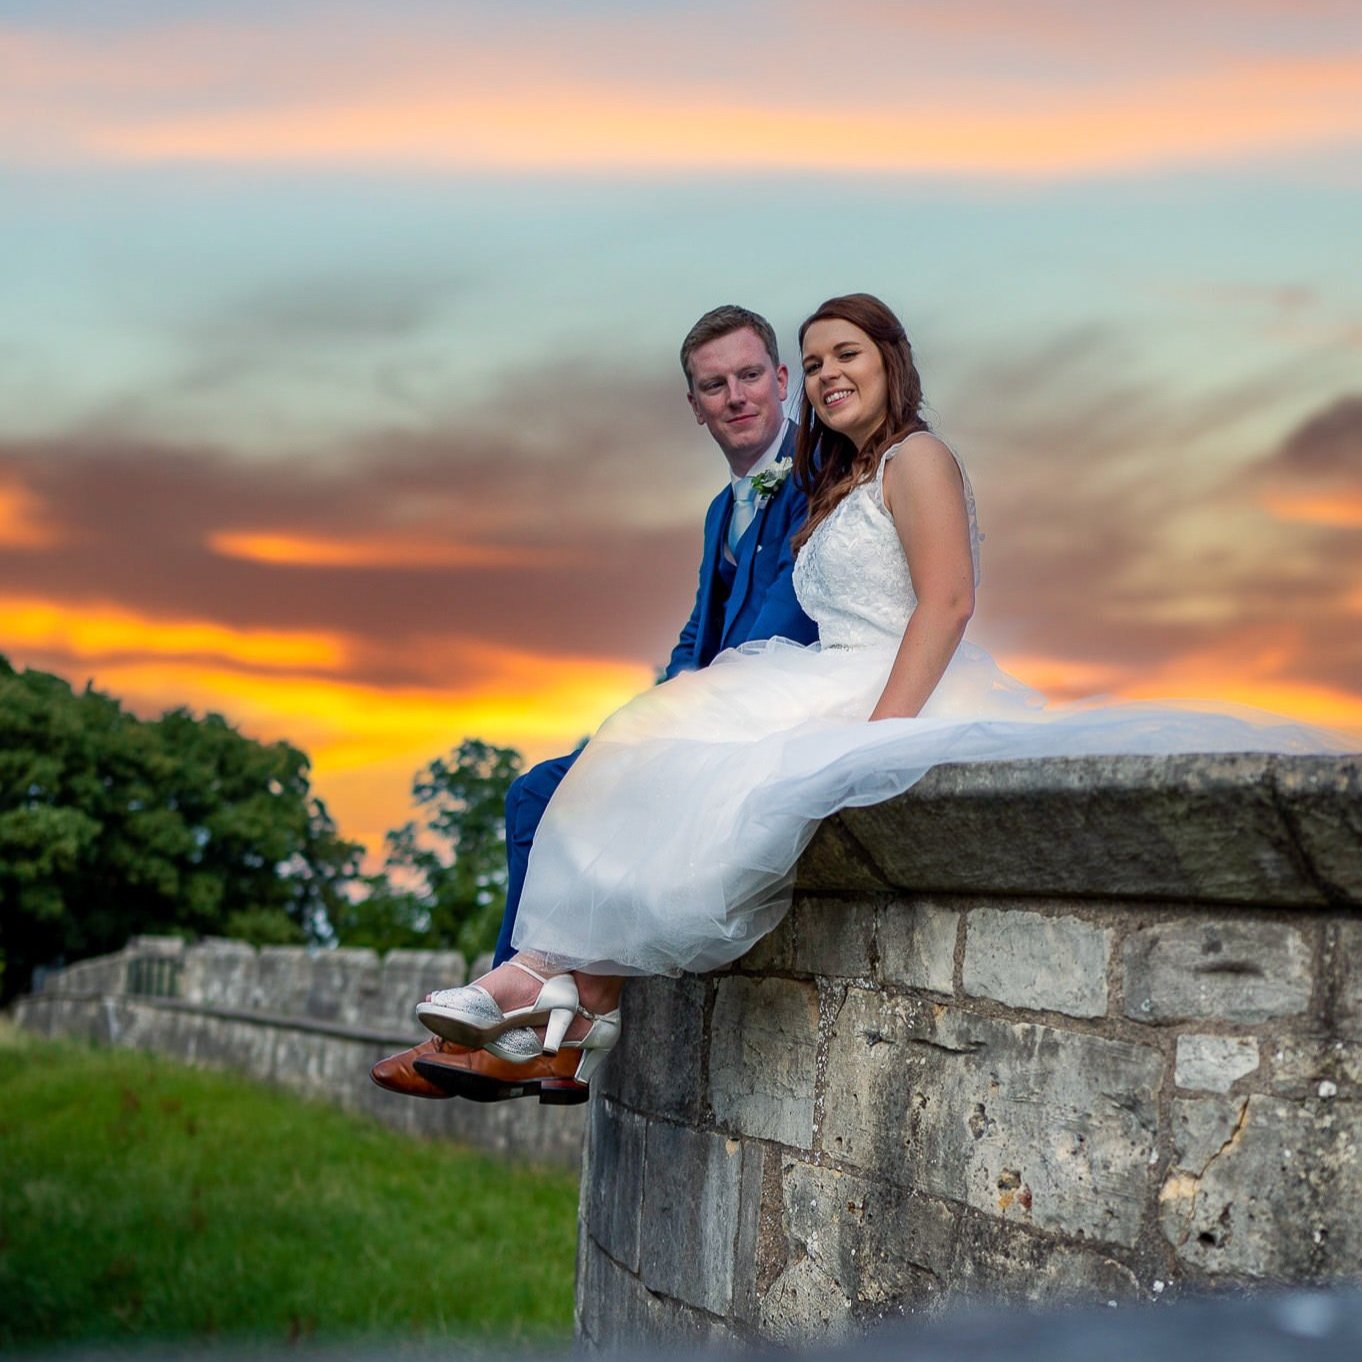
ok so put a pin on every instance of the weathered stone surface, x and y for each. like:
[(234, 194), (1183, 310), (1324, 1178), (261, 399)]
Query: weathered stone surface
[(221, 973), (1199, 828), (1279, 1196), (1214, 1063), (917, 944), (833, 860), (405, 977), (1233, 969), (656, 1065), (763, 1058), (1321, 799), (858, 1249), (615, 1308), (805, 1305), (283, 973), (1303, 1065), (1053, 964), (1020, 1121), (343, 985), (692, 1184), (613, 1179), (1349, 954), (774, 952), (834, 937), (1005, 1263)]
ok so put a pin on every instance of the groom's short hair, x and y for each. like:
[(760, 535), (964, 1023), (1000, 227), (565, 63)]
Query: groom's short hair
[(723, 321)]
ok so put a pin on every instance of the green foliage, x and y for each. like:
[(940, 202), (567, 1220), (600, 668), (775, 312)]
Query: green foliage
[(453, 855), (264, 927), (111, 825), (142, 1200)]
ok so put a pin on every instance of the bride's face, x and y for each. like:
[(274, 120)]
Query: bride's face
[(844, 379)]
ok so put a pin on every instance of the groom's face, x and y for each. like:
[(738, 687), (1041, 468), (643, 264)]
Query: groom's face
[(736, 393)]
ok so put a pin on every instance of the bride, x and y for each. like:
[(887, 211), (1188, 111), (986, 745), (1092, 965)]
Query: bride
[(672, 842)]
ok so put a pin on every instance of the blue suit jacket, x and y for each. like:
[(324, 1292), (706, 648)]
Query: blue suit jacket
[(762, 603)]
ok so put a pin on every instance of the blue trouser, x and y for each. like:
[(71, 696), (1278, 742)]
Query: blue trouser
[(526, 801)]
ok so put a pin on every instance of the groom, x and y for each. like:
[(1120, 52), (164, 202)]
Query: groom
[(736, 387)]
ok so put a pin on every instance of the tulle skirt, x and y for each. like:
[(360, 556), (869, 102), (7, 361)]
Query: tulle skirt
[(671, 844)]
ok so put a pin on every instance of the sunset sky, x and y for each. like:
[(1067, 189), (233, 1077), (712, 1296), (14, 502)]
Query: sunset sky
[(338, 379)]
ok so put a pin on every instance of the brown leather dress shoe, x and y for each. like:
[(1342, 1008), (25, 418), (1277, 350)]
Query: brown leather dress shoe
[(398, 1073), (482, 1077)]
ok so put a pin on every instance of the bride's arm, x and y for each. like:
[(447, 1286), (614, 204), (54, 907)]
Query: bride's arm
[(924, 494)]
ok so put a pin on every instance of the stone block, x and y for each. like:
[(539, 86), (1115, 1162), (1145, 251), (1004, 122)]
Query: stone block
[(1009, 1265), (774, 952), (917, 944), (220, 973), (1022, 1122), (834, 937), (834, 860), (1266, 1187), (1349, 956), (858, 1251), (612, 1182), (283, 980), (1322, 798), (405, 977), (1214, 1063), (805, 1305), (763, 1058), (1230, 969), (616, 1312), (1302, 1065), (1050, 964), (1202, 828), (692, 1184), (655, 1068), (344, 986)]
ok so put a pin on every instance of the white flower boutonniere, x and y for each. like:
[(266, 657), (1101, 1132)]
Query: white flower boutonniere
[(768, 483)]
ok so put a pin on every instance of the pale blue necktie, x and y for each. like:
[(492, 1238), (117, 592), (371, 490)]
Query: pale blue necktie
[(744, 512)]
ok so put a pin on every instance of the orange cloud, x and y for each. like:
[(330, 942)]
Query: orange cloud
[(367, 742), (23, 522), (1341, 511), (101, 631), (1245, 110), (295, 550), (1236, 674), (1062, 678), (468, 100)]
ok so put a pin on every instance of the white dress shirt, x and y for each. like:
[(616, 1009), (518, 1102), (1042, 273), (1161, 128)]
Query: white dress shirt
[(745, 498)]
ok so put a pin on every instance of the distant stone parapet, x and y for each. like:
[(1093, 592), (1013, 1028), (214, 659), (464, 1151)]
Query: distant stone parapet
[(312, 1021), (1085, 1028)]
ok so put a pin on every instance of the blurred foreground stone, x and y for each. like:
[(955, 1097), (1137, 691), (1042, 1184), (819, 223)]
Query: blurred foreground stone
[(1291, 1326)]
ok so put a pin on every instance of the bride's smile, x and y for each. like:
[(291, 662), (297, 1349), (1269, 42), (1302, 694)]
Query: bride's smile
[(844, 379)]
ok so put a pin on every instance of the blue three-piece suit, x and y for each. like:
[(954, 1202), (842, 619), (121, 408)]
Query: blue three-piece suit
[(750, 597)]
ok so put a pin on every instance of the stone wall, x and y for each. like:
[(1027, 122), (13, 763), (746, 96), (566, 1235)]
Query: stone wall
[(1033, 1031), (312, 1021)]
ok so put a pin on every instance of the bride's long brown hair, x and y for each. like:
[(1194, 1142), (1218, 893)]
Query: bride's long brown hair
[(828, 465)]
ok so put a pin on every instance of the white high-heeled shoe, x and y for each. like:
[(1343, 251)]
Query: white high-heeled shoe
[(523, 1045), (471, 1017)]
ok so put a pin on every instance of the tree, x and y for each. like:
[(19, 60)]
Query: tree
[(111, 825), (443, 884)]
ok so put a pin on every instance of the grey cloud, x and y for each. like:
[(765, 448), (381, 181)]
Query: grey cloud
[(595, 502), (1106, 514), (1327, 447)]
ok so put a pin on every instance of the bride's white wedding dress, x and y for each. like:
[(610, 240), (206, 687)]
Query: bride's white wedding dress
[(671, 843)]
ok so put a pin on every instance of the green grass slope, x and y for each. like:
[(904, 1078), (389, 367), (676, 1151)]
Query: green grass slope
[(141, 1199)]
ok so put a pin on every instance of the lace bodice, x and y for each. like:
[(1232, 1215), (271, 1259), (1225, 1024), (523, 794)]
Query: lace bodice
[(851, 577)]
